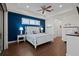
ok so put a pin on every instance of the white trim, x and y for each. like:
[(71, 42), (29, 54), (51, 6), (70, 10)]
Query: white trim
[(11, 42), (5, 30), (0, 51), (14, 41)]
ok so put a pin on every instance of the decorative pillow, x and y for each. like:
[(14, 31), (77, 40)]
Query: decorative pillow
[(34, 32)]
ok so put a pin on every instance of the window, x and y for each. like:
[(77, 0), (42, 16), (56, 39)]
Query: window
[(32, 22), (25, 21), (37, 22)]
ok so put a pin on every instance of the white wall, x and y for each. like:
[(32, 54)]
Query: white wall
[(69, 17), (55, 24), (49, 26)]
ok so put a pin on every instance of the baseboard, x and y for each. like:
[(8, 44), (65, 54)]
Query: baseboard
[(11, 42), (14, 41)]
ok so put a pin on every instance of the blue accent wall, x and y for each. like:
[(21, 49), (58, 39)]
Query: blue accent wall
[(14, 22)]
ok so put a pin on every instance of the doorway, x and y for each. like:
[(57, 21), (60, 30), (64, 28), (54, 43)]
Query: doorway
[(1, 28), (3, 19)]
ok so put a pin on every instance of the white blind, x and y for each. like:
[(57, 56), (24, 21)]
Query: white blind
[(25, 21), (30, 21), (37, 22)]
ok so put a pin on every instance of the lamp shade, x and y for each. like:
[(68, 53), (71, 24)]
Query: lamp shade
[(21, 28), (41, 28)]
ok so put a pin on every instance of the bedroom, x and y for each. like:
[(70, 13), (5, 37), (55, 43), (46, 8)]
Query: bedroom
[(41, 33)]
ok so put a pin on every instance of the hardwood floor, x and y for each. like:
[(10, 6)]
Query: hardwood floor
[(55, 48)]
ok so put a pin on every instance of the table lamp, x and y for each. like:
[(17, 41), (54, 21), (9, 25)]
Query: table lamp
[(21, 30), (41, 29)]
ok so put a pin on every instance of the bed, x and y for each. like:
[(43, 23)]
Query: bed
[(35, 37)]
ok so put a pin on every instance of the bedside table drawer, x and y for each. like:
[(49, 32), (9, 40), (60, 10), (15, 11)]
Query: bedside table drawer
[(20, 38)]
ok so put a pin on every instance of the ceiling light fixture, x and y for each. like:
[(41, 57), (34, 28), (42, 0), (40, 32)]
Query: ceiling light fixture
[(27, 6), (60, 6)]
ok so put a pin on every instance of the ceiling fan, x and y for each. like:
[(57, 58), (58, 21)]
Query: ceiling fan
[(46, 9)]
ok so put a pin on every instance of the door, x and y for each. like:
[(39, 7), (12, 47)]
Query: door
[(1, 29)]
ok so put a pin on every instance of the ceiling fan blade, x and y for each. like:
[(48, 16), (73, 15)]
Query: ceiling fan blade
[(52, 9), (49, 10), (43, 12), (43, 7), (48, 7)]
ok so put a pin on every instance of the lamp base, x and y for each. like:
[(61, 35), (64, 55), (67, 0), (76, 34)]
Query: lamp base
[(21, 33)]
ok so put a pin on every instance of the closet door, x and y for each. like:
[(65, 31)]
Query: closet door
[(1, 29)]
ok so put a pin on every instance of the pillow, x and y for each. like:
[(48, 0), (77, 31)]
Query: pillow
[(34, 32)]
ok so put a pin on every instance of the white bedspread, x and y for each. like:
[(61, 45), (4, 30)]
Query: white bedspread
[(40, 38), (36, 35)]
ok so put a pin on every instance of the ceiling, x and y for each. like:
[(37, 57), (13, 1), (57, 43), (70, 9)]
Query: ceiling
[(58, 7)]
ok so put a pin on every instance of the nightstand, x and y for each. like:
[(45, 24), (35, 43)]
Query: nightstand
[(20, 38)]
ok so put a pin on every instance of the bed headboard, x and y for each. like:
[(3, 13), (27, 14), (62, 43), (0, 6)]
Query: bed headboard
[(32, 29)]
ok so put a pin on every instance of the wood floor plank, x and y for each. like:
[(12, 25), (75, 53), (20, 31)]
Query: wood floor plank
[(55, 48)]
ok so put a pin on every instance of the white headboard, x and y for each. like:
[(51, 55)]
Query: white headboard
[(31, 29)]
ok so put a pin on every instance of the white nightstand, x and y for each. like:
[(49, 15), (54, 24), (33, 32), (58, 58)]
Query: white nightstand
[(20, 36)]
